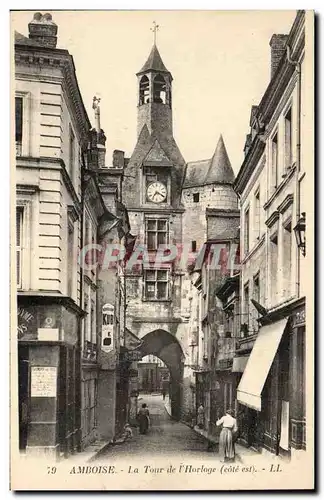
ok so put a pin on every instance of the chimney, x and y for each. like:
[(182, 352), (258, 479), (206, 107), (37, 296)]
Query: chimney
[(43, 30), (118, 158), (278, 48), (101, 145)]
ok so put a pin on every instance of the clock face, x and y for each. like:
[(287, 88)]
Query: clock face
[(157, 192)]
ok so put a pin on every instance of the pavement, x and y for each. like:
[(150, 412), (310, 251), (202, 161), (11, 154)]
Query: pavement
[(166, 437)]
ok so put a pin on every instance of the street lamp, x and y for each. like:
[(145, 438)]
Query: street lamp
[(300, 233)]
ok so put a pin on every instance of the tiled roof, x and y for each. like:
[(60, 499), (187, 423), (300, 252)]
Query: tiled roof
[(196, 173), (220, 169), (154, 62), (217, 170)]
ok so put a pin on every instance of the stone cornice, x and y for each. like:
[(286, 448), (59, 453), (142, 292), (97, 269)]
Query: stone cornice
[(51, 164), (283, 183), (249, 164), (272, 219), (157, 210), (286, 203), (61, 59), (278, 84), (219, 212)]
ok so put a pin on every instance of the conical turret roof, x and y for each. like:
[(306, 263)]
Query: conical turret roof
[(220, 169), (154, 62)]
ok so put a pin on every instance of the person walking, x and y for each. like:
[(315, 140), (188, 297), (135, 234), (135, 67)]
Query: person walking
[(165, 385), (143, 419), (201, 417), (226, 438)]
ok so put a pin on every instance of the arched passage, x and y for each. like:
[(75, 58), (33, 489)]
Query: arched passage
[(166, 347)]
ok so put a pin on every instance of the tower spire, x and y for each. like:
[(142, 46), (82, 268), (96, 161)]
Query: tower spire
[(155, 29)]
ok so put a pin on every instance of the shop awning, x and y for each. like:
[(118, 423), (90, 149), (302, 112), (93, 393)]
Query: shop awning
[(239, 364), (259, 363)]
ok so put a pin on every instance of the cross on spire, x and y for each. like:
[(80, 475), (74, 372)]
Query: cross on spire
[(155, 29)]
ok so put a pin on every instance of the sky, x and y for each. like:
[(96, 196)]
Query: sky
[(219, 60)]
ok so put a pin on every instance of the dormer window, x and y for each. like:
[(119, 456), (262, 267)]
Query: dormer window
[(159, 89), (144, 90)]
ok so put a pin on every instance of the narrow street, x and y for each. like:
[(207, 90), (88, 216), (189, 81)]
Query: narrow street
[(165, 437)]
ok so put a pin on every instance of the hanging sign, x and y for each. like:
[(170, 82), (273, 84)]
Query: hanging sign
[(43, 381), (107, 332)]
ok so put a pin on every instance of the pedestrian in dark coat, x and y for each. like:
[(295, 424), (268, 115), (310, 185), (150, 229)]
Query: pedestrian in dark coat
[(143, 419), (226, 438)]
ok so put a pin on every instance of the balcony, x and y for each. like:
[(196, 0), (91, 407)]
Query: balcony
[(89, 352)]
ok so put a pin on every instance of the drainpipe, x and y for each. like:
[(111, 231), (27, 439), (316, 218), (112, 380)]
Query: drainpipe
[(297, 65)]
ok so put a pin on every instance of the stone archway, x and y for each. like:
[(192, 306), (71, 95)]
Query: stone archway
[(166, 347)]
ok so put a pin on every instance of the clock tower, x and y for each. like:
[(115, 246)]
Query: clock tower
[(152, 193)]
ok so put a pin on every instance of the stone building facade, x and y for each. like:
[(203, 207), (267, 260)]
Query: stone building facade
[(51, 134), (66, 203), (271, 184)]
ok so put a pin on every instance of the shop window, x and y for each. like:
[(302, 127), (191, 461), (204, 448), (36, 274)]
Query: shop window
[(156, 284), (157, 233)]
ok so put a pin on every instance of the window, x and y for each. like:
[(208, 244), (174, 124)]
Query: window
[(257, 214), (157, 233), (86, 318), (19, 125), (70, 260), (71, 152), (256, 296), (273, 266), (156, 284), (274, 160), (288, 140), (193, 246), (246, 231), (93, 323), (144, 90), (246, 313), (287, 243), (196, 197), (19, 236)]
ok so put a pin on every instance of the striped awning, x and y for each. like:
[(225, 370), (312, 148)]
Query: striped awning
[(259, 363)]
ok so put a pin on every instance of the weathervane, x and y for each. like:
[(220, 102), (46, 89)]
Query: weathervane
[(155, 29)]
